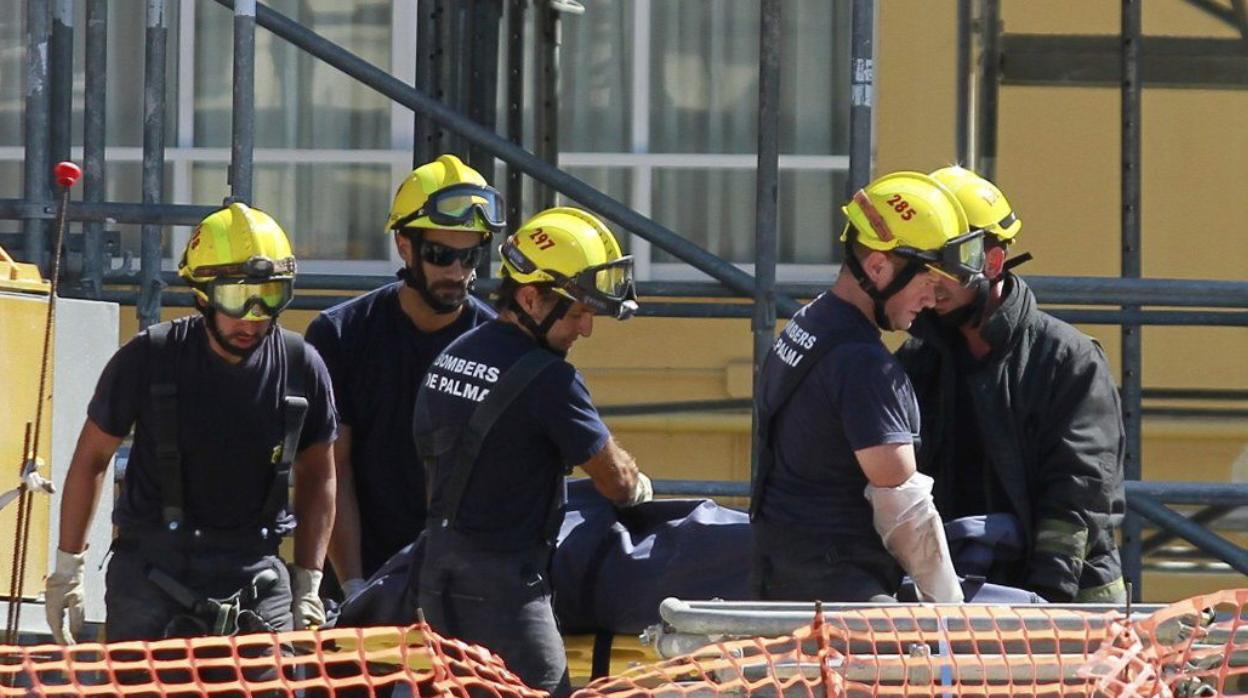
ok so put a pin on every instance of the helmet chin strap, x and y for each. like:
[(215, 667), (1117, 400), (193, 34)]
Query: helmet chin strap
[(880, 297), (971, 314), (539, 330), (210, 319)]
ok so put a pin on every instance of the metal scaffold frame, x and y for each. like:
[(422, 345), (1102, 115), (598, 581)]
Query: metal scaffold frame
[(453, 103)]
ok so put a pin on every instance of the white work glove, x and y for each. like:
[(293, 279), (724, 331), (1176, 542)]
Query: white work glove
[(63, 597), (306, 605), (908, 523), (352, 586), (643, 491)]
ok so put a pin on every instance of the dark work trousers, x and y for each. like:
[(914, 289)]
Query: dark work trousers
[(499, 600), (138, 609), (789, 567)]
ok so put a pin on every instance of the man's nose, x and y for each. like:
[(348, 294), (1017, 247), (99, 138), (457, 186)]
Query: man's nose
[(587, 326)]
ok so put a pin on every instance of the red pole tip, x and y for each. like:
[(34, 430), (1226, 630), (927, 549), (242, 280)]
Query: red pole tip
[(67, 173)]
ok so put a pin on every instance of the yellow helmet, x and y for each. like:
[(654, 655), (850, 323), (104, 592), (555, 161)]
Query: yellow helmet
[(985, 206), (239, 261), (447, 194), (573, 251)]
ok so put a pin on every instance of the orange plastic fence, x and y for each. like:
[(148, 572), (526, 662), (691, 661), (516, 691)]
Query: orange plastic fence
[(343, 662)]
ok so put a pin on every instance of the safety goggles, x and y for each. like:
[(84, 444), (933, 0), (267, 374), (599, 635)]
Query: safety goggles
[(458, 204), (249, 299), (440, 255), (961, 259), (607, 288)]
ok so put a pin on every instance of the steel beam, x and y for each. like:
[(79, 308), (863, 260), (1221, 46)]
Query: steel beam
[(148, 307), (862, 94), (243, 110), (94, 115), (1093, 61), (766, 203), (988, 88), (36, 181), (1192, 532)]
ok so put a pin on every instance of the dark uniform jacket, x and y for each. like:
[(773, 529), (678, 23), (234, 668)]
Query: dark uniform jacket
[(1050, 420)]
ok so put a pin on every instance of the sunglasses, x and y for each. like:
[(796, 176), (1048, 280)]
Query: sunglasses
[(440, 255)]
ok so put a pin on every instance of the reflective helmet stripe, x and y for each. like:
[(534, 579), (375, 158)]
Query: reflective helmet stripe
[(873, 216)]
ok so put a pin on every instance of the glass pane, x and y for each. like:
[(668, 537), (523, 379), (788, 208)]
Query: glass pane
[(300, 101), (125, 48), (595, 74), (329, 211), (723, 219), (704, 77)]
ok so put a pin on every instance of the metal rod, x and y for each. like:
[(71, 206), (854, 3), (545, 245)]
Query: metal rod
[(37, 162), (482, 83), (988, 84), (862, 94), (428, 78), (61, 80), (94, 115), (1132, 354), (1190, 531), (739, 281), (148, 308), (648, 408), (767, 183), (243, 111), (961, 133), (515, 107), (546, 116), (1204, 517)]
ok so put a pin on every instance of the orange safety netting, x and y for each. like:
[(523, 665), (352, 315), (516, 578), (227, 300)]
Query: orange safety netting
[(344, 662), (898, 651), (1197, 647)]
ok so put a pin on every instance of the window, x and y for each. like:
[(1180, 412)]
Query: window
[(659, 110)]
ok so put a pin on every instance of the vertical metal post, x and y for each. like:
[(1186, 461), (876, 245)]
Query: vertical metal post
[(1132, 355), (862, 94), (515, 106), (988, 84), (482, 83), (61, 80), (427, 135), (243, 121), (962, 145), (36, 180), (767, 183), (93, 120), (546, 115), (148, 307)]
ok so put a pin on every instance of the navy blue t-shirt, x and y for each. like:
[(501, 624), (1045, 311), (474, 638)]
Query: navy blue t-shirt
[(551, 427), (857, 396), (376, 357), (230, 426)]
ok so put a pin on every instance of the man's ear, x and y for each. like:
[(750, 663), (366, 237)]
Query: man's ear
[(879, 268), (404, 247), (529, 299), (994, 262)]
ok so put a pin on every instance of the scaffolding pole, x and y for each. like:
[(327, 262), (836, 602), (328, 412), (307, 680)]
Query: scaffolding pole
[(36, 180), (988, 86), (862, 95), (148, 306), (767, 206), (243, 112), (1132, 354), (94, 184)]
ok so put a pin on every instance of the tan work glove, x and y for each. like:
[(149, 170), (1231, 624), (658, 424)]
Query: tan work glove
[(643, 491), (63, 598), (306, 605), (352, 586)]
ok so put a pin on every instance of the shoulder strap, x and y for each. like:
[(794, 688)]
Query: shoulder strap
[(487, 412), (766, 417), (294, 410), (163, 390)]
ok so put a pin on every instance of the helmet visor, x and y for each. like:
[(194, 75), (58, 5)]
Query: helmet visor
[(458, 205), (242, 299), (607, 288)]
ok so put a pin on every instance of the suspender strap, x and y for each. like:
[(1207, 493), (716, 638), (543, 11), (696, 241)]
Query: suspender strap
[(294, 410), (431, 444), (487, 412), (163, 389), (766, 418)]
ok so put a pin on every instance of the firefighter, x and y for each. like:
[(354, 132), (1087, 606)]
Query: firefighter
[(501, 419), (838, 509), (224, 405), (380, 345), (1020, 410)]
